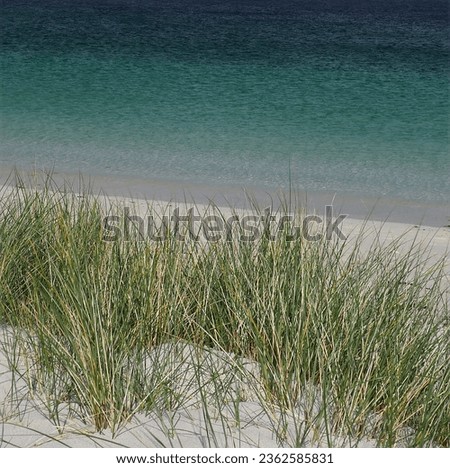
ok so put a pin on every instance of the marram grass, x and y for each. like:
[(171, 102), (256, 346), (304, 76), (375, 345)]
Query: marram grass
[(370, 329)]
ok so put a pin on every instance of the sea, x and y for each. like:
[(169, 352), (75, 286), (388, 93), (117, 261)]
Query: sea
[(344, 96)]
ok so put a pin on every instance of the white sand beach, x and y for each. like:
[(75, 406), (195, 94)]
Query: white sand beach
[(236, 418)]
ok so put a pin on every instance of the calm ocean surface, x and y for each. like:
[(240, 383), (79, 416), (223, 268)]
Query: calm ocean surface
[(352, 95)]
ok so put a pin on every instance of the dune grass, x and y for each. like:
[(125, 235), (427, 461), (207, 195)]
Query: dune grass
[(369, 329)]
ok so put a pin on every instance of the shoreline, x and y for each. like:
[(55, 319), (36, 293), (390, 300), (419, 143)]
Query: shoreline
[(433, 238), (355, 206), (369, 221)]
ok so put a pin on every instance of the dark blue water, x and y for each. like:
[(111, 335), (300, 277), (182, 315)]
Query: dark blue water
[(352, 96)]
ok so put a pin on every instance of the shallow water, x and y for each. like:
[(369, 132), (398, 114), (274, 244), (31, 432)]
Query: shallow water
[(351, 97)]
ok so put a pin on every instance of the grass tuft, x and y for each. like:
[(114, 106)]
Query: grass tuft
[(350, 341)]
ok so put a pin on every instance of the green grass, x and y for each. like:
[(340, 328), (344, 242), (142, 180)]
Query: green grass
[(369, 329)]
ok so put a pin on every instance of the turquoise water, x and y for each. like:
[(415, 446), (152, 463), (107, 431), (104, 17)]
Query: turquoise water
[(351, 97)]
